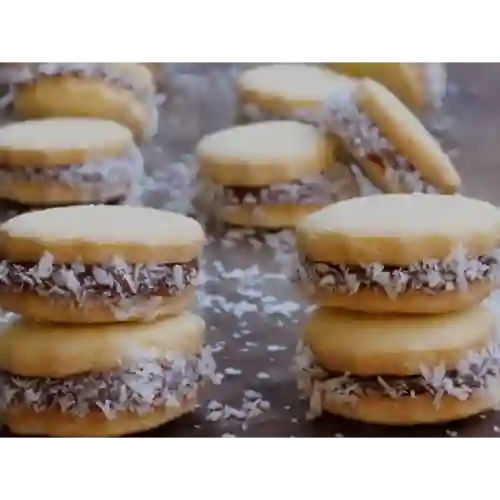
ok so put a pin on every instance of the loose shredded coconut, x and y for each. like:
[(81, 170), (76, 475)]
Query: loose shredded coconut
[(139, 388), (430, 276), (341, 116), (472, 373), (252, 113)]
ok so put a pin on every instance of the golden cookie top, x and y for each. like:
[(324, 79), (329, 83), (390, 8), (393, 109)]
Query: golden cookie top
[(384, 344), (53, 350), (96, 234), (399, 229), (263, 153), (62, 141)]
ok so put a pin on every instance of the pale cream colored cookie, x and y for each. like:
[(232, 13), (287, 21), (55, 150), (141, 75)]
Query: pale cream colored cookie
[(63, 161), (419, 85), (124, 93), (286, 91), (400, 253), (393, 147), (270, 174), (101, 380), (400, 370), (99, 263)]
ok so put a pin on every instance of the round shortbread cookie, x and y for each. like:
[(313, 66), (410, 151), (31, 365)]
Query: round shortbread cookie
[(98, 234), (56, 142), (293, 91), (264, 153), (69, 95), (399, 229), (380, 344), (49, 350)]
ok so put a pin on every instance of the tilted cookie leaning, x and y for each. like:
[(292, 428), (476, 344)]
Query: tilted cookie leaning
[(418, 253), (393, 147), (99, 264), (121, 92), (101, 380), (64, 161), (400, 370), (271, 174)]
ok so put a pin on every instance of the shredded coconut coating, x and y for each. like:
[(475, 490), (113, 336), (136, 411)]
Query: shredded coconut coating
[(472, 373), (430, 276), (117, 280), (254, 113), (311, 190), (139, 388), (342, 117), (125, 169)]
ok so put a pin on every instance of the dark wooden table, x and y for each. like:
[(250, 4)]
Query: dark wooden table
[(252, 313)]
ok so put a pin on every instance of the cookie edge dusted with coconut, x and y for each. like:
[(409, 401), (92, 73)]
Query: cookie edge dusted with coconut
[(112, 140), (408, 136), (95, 419), (173, 238), (437, 404)]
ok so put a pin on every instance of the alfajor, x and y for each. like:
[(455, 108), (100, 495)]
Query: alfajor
[(121, 92), (394, 149), (400, 370), (401, 253), (101, 380), (286, 91), (270, 174), (99, 263), (63, 161), (421, 86)]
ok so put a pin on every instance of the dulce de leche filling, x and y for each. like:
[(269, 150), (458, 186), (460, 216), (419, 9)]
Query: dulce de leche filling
[(116, 280), (430, 276), (313, 190), (141, 387), (476, 371)]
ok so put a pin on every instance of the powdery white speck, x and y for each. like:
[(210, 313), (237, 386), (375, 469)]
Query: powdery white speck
[(263, 376)]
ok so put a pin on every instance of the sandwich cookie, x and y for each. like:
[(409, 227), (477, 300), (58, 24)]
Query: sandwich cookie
[(400, 253), (101, 380), (271, 174), (99, 264), (286, 91), (64, 161), (400, 370), (421, 86), (121, 92), (394, 149)]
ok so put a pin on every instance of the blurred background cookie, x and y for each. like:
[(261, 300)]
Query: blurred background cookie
[(63, 161), (121, 92), (271, 174)]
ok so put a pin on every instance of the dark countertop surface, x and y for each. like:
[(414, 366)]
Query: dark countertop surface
[(252, 313)]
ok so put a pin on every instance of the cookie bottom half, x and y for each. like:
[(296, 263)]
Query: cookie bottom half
[(27, 422), (62, 309), (31, 194), (418, 410), (415, 301)]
